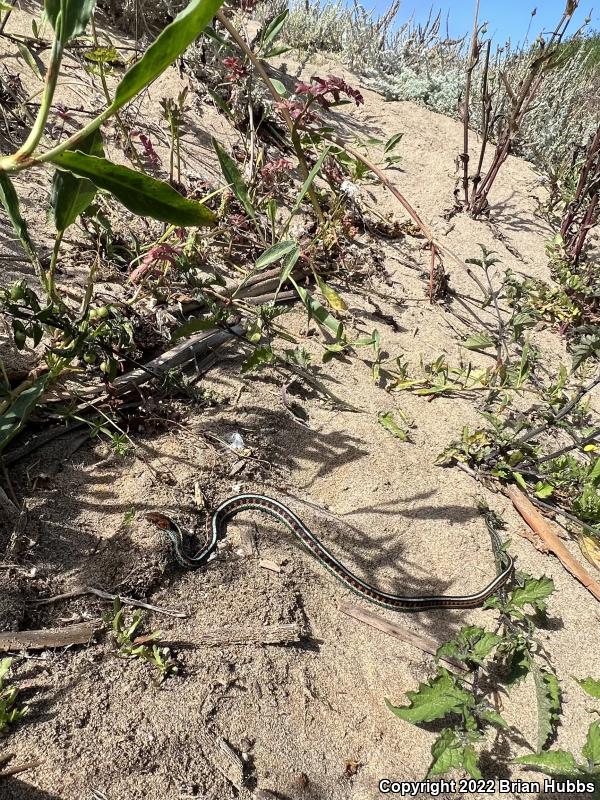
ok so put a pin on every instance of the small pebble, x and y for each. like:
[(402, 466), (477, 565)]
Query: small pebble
[(301, 780)]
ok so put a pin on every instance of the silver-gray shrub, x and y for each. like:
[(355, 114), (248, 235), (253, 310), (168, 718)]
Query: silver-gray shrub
[(424, 64)]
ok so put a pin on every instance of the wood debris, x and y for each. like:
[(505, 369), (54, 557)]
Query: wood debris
[(82, 633), (257, 634)]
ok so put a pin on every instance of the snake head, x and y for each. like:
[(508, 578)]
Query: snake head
[(164, 522)]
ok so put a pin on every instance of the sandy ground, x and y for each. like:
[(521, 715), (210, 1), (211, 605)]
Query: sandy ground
[(311, 715)]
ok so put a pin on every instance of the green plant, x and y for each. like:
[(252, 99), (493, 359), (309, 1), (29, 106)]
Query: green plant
[(174, 114), (131, 644), (10, 712), (80, 171), (466, 702), (562, 764)]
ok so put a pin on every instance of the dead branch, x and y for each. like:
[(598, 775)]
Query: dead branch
[(424, 643), (81, 633), (539, 524), (20, 768), (126, 601), (254, 634)]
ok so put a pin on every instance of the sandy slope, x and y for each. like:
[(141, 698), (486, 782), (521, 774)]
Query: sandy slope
[(307, 711)]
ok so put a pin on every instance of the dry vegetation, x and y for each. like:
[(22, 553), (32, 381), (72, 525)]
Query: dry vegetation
[(229, 266)]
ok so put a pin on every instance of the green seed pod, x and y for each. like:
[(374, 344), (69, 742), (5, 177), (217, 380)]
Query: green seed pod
[(17, 291)]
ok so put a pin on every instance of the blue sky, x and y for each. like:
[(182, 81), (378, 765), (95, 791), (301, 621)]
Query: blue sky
[(507, 18)]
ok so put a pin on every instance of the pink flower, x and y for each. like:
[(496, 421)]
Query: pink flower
[(319, 87), (161, 254), (297, 110), (235, 69), (239, 221), (150, 153), (275, 171)]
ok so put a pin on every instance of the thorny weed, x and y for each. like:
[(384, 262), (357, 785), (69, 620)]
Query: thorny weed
[(467, 701)]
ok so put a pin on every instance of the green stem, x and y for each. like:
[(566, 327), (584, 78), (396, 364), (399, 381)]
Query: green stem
[(50, 275), (15, 164), (37, 131), (130, 146)]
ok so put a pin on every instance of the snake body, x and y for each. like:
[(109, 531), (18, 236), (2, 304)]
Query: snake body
[(258, 502)]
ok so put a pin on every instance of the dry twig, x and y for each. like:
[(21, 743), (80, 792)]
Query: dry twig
[(538, 524)]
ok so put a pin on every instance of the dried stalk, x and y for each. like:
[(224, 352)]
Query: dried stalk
[(473, 61), (583, 212), (521, 101), (257, 634), (538, 524)]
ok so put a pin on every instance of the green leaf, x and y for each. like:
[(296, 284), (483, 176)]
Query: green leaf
[(274, 27), (392, 142), (277, 51), (4, 668), (69, 18), (194, 326), (434, 700), (316, 311), (279, 87), (220, 103), (234, 178), (491, 715), (594, 473), (543, 489), (554, 762), (306, 185), (590, 686), (533, 593), (387, 421), (472, 644), (390, 161), (332, 297), (260, 357), (450, 753), (591, 748), (520, 480), (547, 690), (140, 193), (14, 419), (30, 60), (275, 253), (70, 196), (287, 268), (479, 341), (10, 202), (520, 662), (172, 41)]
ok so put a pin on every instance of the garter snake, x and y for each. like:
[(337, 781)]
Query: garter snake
[(246, 502)]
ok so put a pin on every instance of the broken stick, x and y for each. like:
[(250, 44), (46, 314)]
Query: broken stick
[(540, 526), (18, 768), (424, 643), (257, 634), (81, 633), (126, 601)]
